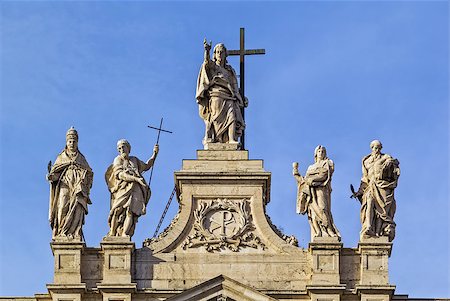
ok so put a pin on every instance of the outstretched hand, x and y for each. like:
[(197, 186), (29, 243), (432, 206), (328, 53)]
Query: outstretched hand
[(156, 149)]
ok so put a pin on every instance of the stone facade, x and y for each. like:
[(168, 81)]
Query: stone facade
[(221, 246)]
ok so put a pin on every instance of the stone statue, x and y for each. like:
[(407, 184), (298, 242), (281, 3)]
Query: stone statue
[(376, 193), (129, 191), (218, 97), (70, 181), (314, 194)]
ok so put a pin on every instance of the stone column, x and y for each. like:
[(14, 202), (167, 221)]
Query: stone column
[(325, 279), (67, 283), (374, 283), (117, 282)]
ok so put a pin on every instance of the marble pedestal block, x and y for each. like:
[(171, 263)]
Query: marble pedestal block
[(374, 280), (117, 282), (325, 278), (67, 284)]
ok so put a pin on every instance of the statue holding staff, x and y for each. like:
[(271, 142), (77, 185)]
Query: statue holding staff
[(314, 194), (376, 193), (70, 183), (218, 97), (130, 192)]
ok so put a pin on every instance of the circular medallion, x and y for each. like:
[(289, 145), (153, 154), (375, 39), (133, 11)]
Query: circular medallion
[(222, 223)]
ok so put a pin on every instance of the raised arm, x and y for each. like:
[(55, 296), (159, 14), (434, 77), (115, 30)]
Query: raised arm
[(296, 173), (151, 161), (207, 50)]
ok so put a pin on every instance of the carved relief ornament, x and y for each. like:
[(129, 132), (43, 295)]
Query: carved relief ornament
[(223, 224)]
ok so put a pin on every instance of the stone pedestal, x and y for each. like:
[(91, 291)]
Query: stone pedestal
[(67, 283), (325, 279), (63, 292), (374, 261), (117, 269), (221, 185), (374, 280), (222, 229)]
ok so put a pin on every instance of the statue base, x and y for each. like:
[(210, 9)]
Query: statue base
[(375, 253), (67, 255), (325, 253), (117, 252), (67, 282), (221, 146)]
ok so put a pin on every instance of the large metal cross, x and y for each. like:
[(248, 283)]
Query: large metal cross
[(242, 52)]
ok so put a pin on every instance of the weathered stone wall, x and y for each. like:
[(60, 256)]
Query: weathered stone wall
[(270, 272)]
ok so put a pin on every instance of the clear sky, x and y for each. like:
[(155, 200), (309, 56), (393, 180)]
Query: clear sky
[(336, 73)]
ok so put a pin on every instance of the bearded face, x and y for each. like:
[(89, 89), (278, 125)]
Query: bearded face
[(123, 150)]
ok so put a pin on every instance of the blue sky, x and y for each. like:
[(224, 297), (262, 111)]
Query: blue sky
[(336, 73)]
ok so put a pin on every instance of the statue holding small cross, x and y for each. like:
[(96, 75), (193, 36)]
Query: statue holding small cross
[(221, 102), (130, 192)]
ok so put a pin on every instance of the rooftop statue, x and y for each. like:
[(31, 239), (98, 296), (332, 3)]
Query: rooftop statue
[(218, 97), (376, 193), (314, 194), (70, 182), (129, 190)]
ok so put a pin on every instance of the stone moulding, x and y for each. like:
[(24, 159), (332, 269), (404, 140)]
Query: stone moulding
[(217, 178), (222, 288), (223, 224)]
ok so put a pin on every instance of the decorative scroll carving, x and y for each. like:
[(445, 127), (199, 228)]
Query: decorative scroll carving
[(148, 241), (223, 224), (290, 239)]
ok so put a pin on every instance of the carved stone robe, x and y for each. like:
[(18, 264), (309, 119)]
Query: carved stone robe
[(69, 194), (219, 100), (126, 196), (380, 177), (315, 199)]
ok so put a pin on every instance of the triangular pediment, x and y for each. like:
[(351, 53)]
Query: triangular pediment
[(221, 288)]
